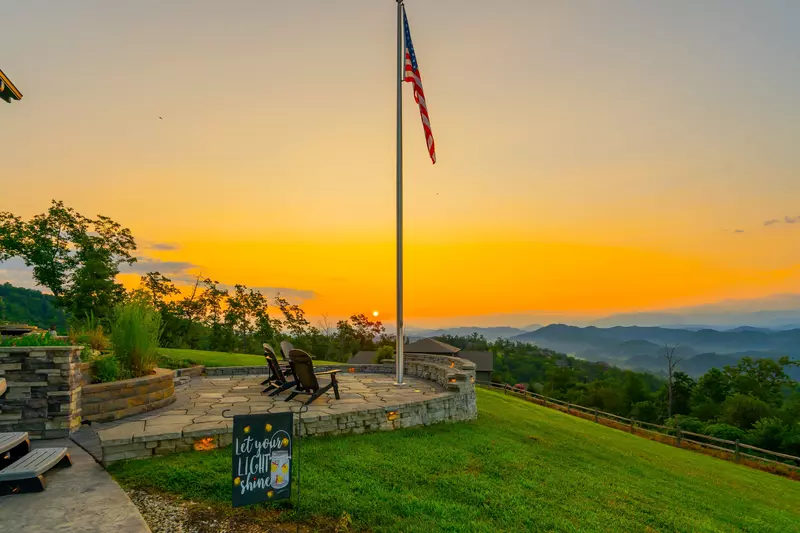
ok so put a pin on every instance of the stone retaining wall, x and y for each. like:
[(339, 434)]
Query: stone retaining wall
[(455, 374), (44, 389), (86, 374), (103, 402)]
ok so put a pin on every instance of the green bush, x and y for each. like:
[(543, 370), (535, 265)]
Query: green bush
[(687, 423), (384, 352), (41, 339), (725, 431), (743, 411), (134, 337), (768, 433), (107, 369), (89, 333), (646, 411)]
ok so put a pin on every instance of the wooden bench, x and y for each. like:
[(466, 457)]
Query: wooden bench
[(26, 474), (13, 446)]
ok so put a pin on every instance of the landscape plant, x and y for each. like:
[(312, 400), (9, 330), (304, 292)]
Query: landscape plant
[(36, 339), (134, 337), (107, 369)]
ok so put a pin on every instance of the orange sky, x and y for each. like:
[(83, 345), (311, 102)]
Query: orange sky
[(590, 159)]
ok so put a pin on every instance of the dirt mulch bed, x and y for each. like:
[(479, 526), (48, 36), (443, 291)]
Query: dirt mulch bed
[(165, 513)]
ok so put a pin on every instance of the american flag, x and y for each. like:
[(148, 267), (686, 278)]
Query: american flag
[(412, 76)]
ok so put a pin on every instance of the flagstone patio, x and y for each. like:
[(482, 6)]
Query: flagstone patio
[(200, 418)]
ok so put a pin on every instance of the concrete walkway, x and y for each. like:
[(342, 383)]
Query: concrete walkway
[(82, 498)]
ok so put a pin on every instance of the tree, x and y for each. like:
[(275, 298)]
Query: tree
[(743, 411), (75, 257), (760, 378), (158, 288), (768, 433), (712, 389), (672, 362), (367, 331), (294, 317)]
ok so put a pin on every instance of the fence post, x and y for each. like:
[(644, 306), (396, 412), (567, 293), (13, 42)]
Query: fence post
[(595, 415), (632, 421), (568, 411), (545, 400), (736, 452), (678, 432)]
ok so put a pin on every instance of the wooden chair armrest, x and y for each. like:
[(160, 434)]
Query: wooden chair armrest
[(328, 372)]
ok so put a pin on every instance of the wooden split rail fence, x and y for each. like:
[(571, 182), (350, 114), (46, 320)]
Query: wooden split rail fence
[(735, 450)]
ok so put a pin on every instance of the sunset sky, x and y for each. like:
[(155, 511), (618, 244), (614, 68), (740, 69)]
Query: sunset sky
[(592, 157)]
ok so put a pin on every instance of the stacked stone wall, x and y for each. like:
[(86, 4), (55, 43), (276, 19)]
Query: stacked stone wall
[(44, 389)]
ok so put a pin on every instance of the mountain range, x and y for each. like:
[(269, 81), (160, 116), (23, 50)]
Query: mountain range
[(642, 348)]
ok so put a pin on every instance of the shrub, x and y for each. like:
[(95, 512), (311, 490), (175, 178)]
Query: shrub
[(107, 369), (40, 339), (646, 411), (384, 352), (687, 423), (742, 411), (791, 439), (708, 410), (767, 433), (725, 431), (135, 335), (90, 333)]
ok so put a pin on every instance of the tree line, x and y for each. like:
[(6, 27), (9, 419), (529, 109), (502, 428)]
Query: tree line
[(754, 400), (77, 258)]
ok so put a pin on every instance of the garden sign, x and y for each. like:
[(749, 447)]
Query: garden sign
[(262, 458)]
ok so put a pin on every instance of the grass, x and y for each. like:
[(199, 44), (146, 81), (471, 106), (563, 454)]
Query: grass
[(180, 358), (519, 467)]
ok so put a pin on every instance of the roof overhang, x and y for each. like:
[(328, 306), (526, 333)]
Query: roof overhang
[(7, 90)]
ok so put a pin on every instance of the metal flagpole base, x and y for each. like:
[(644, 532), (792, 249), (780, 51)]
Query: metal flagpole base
[(398, 384)]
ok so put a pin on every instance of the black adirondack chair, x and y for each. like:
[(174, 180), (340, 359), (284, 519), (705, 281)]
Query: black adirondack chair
[(303, 368), (270, 374), (286, 347), (281, 382)]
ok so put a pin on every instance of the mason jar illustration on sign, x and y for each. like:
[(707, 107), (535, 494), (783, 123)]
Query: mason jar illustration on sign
[(279, 469)]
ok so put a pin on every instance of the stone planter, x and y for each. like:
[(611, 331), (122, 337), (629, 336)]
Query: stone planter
[(103, 402), (43, 396)]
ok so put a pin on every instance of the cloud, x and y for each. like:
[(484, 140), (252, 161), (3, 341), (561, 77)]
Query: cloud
[(163, 246), (786, 220), (738, 231), (293, 295), (16, 273), (150, 264)]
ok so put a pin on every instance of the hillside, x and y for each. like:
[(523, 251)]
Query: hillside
[(642, 348), (26, 306), (489, 333), (519, 467)]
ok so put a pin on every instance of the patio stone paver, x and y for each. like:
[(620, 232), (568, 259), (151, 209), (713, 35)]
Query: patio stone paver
[(199, 408)]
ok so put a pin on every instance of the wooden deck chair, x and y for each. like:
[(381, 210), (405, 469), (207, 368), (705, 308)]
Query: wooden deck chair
[(270, 376), (281, 382), (286, 347), (303, 368)]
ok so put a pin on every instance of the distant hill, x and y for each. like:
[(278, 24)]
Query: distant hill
[(642, 348), (27, 306), (490, 333)]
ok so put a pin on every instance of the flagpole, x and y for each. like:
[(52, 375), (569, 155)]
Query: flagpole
[(400, 68)]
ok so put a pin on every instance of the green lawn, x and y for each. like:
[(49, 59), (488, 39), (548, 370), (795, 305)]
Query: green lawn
[(180, 358), (519, 467)]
